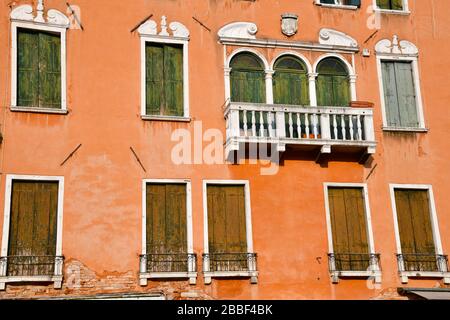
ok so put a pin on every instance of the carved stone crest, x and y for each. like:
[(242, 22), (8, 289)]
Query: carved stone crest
[(289, 24)]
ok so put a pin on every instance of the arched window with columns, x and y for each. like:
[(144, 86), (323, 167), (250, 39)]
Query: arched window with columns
[(290, 81), (333, 83), (247, 78)]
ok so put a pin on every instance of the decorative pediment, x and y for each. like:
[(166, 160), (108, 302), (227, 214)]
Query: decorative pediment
[(336, 38), (396, 47), (26, 13), (175, 29), (241, 30)]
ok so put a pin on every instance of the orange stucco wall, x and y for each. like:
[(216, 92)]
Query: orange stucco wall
[(102, 206)]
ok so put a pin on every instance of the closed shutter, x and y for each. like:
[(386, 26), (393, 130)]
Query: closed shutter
[(166, 219), (414, 220), (27, 68), (349, 228), (49, 70), (399, 91), (39, 69), (333, 90), (226, 219), (248, 86), (173, 85), (290, 88), (164, 80), (390, 4), (33, 228)]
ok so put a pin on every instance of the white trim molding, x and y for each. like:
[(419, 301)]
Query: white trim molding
[(55, 22), (404, 11), (405, 275), (336, 38), (375, 271), (238, 30), (174, 33), (252, 273), (191, 273), (395, 50), (58, 276)]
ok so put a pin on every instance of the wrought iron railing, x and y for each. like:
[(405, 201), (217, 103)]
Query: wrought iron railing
[(229, 262), (422, 263), (31, 266), (354, 262), (170, 262)]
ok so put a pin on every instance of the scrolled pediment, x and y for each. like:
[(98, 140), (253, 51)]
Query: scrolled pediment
[(176, 29), (336, 38), (26, 13), (396, 47), (240, 30)]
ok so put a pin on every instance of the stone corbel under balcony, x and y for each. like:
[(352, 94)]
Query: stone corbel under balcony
[(326, 129)]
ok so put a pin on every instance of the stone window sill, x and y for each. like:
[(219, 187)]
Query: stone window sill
[(404, 129), (57, 280), (337, 6), (165, 118), (39, 110), (388, 11)]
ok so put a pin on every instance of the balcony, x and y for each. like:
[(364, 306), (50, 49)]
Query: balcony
[(234, 265), (325, 129), (31, 269), (423, 265), (170, 265), (352, 265)]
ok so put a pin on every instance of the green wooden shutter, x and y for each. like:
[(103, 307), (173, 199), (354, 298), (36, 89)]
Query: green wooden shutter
[(33, 226), (49, 70), (290, 88), (397, 4), (341, 91), (154, 78), (247, 79), (166, 218), (414, 222), (333, 90), (27, 68), (390, 94), (399, 94), (173, 80), (406, 94), (390, 4), (226, 219), (349, 228)]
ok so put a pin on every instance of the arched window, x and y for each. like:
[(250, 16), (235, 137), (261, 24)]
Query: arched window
[(247, 79), (333, 85), (290, 82)]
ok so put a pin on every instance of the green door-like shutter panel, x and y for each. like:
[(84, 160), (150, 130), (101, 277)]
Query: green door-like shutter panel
[(341, 91), (154, 78), (226, 219), (390, 94), (49, 70), (399, 94), (414, 222), (406, 94), (173, 84), (33, 227), (248, 86), (349, 228), (333, 91), (166, 218), (290, 88), (27, 68)]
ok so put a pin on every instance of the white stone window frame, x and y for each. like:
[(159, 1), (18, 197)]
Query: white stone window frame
[(22, 18), (58, 277), (405, 275), (375, 273), (337, 5), (191, 274), (208, 275), (180, 35), (387, 50), (405, 10)]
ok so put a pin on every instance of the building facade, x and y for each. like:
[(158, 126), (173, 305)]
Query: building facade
[(232, 149)]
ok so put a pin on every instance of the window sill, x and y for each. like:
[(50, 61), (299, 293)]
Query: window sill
[(192, 276), (39, 110), (388, 11), (399, 129), (405, 275), (376, 275), (253, 275), (57, 280), (166, 118), (337, 6)]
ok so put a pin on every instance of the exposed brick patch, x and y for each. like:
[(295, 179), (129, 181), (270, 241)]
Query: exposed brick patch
[(389, 294), (81, 281)]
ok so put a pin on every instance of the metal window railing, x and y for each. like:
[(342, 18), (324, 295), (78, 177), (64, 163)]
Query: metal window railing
[(229, 262), (168, 262), (31, 266), (422, 262), (354, 262)]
